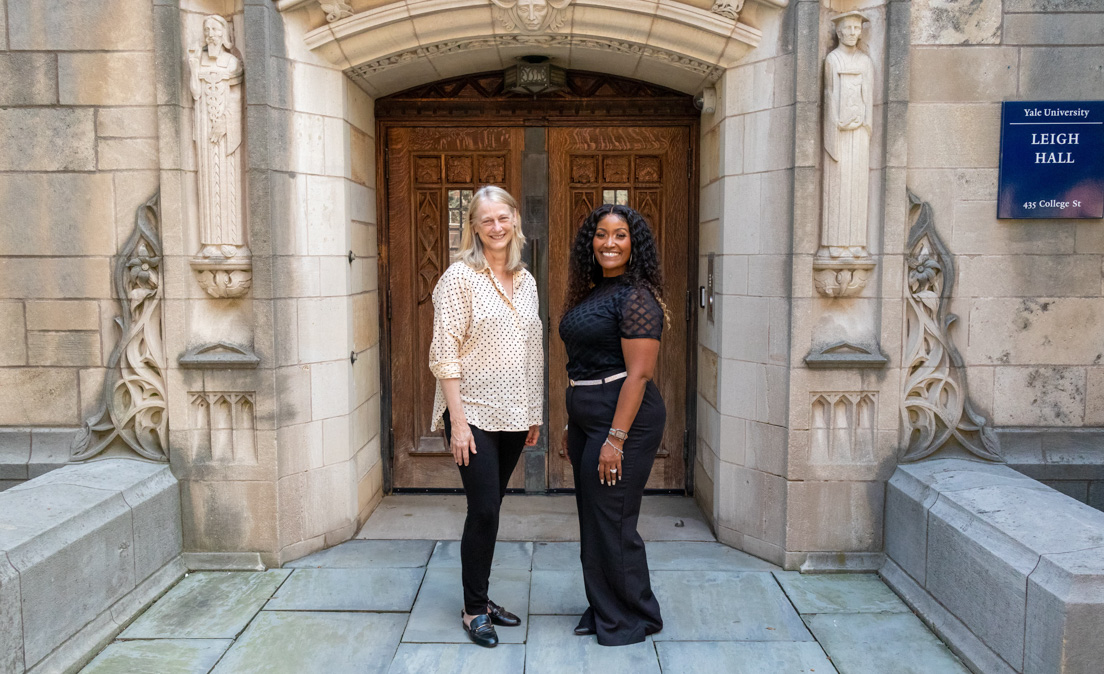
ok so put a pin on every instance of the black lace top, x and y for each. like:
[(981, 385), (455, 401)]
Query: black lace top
[(592, 331)]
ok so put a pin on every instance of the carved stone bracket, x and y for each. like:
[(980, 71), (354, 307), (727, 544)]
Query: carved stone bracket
[(936, 407), (531, 16), (225, 276), (133, 415), (841, 278)]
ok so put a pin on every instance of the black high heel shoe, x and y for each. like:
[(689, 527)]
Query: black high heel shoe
[(500, 616), (481, 631)]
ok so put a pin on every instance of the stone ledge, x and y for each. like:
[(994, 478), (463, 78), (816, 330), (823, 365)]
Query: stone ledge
[(1007, 570), (82, 550)]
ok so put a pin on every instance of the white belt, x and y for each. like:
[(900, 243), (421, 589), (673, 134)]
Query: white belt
[(596, 382)]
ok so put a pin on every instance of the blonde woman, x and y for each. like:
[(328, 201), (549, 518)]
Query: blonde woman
[(488, 357)]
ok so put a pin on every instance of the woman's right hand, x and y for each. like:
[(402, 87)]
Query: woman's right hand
[(462, 443)]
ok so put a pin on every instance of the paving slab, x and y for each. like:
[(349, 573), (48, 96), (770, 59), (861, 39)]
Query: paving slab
[(458, 659), (840, 593), (368, 554), (296, 642), (526, 518), (554, 649), (673, 518), (436, 614), (725, 606), (163, 656), (876, 643), (507, 555), (348, 590), (209, 605), (557, 556), (743, 657), (556, 592), (702, 556)]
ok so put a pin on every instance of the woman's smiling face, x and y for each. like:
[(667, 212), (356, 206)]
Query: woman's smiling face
[(612, 245), (493, 222)]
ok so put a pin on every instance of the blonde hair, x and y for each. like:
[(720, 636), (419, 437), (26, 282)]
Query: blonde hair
[(471, 247)]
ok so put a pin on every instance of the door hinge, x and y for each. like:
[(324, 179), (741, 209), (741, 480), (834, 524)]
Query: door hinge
[(688, 309), (388, 302), (685, 442)]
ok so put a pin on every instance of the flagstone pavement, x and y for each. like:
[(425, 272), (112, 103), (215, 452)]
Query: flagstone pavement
[(392, 604)]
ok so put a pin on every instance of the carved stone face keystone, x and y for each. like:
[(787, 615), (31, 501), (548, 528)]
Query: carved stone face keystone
[(532, 13)]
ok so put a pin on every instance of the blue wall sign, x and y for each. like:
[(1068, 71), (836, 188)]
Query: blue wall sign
[(1052, 160)]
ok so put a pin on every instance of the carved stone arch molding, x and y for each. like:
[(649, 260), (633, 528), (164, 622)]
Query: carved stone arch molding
[(397, 45)]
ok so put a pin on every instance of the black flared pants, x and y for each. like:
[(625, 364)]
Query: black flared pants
[(485, 479), (615, 566)]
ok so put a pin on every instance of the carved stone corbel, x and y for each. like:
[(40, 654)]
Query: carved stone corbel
[(936, 407), (133, 415)]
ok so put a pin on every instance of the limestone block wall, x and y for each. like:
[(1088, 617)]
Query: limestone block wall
[(1029, 291), (747, 169), (78, 128), (326, 300)]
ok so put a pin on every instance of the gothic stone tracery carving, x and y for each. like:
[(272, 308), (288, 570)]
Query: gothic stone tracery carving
[(532, 16), (223, 264), (133, 414), (936, 407), (842, 263)]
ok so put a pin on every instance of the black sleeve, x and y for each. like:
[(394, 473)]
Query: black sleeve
[(641, 314)]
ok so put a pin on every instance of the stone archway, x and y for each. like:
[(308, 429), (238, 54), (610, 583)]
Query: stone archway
[(393, 46)]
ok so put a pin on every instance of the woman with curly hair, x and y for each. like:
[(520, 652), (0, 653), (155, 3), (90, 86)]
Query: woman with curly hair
[(611, 326)]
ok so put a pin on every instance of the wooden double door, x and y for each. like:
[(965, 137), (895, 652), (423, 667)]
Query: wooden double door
[(559, 174)]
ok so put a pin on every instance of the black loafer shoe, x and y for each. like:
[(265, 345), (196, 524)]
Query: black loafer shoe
[(501, 616), (481, 631), (584, 631)]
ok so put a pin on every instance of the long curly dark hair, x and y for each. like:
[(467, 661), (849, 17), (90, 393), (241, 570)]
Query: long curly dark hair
[(643, 270)]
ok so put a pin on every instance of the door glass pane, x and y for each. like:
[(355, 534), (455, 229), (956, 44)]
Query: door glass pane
[(615, 197), (458, 202)]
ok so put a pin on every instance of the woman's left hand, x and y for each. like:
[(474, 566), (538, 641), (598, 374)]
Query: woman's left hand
[(534, 435), (609, 462)]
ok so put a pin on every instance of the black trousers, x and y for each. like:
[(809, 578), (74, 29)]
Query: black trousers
[(485, 479), (623, 609)]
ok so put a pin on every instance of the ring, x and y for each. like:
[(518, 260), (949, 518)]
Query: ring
[(613, 470)]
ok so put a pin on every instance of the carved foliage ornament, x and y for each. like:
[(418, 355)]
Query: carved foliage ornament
[(936, 408), (336, 11), (531, 16), (728, 8), (133, 413)]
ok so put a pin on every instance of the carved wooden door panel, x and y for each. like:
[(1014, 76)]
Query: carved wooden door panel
[(647, 169), (432, 172)]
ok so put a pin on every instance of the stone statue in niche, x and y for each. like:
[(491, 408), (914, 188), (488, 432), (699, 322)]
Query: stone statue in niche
[(532, 16), (223, 263), (842, 262)]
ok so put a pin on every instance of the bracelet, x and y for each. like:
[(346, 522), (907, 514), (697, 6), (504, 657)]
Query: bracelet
[(620, 452), (618, 433)]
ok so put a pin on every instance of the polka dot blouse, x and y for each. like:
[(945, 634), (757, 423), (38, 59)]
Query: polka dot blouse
[(493, 345)]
